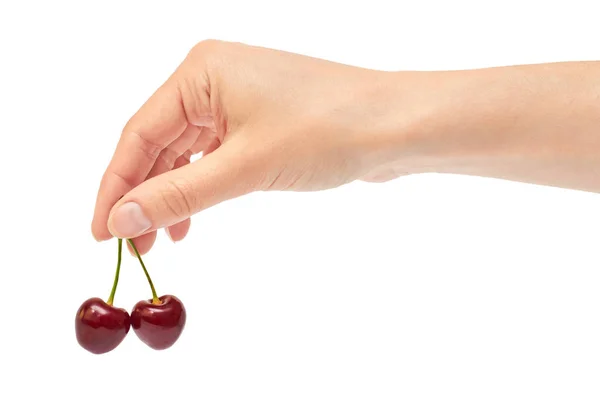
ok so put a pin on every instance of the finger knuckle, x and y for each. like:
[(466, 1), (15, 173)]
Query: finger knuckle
[(204, 48), (135, 132), (168, 156), (178, 199)]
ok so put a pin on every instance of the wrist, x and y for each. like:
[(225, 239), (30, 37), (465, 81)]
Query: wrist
[(454, 121), (407, 116)]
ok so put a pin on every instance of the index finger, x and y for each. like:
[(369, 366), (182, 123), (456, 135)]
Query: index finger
[(155, 125)]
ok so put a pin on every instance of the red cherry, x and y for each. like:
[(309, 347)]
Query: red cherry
[(159, 324), (100, 327)]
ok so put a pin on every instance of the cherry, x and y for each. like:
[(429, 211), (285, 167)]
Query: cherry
[(99, 326), (158, 322), (158, 325)]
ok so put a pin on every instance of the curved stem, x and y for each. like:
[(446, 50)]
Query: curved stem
[(154, 295), (111, 298)]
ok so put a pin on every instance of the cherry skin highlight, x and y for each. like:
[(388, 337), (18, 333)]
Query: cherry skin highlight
[(159, 324), (100, 327)]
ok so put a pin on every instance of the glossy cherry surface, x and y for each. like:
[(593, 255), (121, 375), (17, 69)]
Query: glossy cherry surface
[(100, 327), (159, 325)]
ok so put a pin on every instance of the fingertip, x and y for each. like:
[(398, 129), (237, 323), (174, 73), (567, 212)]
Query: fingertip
[(94, 235), (128, 220), (178, 231), (143, 243), (168, 233), (100, 234)]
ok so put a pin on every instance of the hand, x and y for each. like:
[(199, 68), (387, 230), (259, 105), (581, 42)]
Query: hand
[(271, 120), (262, 119)]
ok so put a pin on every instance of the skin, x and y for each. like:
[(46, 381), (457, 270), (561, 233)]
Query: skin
[(271, 120)]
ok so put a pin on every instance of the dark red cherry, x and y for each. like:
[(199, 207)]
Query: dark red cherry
[(100, 327), (158, 325)]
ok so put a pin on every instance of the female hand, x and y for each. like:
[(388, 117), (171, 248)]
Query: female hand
[(263, 120), (270, 120)]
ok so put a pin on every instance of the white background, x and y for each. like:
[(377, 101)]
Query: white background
[(427, 286)]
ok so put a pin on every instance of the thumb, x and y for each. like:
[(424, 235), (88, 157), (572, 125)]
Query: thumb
[(174, 196)]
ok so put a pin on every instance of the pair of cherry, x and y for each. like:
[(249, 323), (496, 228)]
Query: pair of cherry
[(158, 322)]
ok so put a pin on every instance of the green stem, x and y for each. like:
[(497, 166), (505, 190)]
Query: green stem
[(111, 298), (154, 295)]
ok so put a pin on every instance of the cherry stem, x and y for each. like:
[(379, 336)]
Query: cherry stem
[(154, 295), (111, 298)]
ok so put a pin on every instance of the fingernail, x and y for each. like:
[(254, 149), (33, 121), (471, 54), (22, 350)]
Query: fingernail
[(169, 234), (129, 220)]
